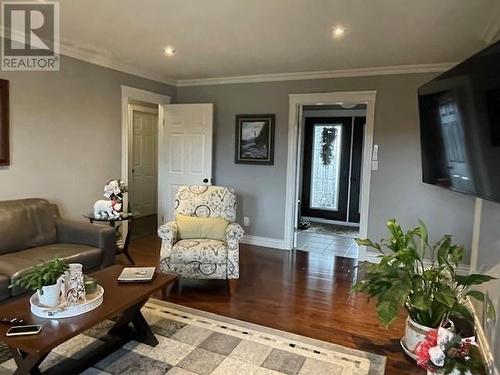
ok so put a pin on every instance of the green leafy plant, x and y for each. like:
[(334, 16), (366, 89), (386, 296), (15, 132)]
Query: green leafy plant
[(419, 277), (44, 274)]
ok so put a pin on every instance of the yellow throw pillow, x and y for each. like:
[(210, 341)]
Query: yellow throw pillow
[(201, 227)]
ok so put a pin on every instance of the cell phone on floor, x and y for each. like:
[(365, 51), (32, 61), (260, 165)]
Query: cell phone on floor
[(26, 330)]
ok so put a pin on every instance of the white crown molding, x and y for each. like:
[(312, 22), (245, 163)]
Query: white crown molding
[(93, 56), (273, 243), (105, 59), (111, 63), (340, 73)]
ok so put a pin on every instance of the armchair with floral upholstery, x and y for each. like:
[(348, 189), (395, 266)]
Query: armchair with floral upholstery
[(202, 258)]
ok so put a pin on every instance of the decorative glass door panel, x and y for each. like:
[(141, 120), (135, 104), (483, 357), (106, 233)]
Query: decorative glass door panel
[(325, 168)]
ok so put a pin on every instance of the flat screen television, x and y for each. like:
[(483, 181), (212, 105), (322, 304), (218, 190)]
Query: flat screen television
[(460, 126)]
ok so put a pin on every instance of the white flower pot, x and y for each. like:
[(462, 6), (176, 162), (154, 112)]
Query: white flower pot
[(51, 295), (415, 333)]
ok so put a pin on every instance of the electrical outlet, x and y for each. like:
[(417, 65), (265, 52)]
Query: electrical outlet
[(246, 221)]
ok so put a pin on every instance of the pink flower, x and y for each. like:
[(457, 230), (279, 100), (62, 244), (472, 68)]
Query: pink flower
[(432, 337), (422, 352), (422, 349)]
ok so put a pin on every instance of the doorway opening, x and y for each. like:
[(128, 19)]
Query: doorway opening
[(143, 166), (296, 138), (329, 178), (142, 114), (183, 154)]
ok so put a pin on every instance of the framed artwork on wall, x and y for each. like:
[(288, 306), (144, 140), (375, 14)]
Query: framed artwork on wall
[(4, 123), (254, 139)]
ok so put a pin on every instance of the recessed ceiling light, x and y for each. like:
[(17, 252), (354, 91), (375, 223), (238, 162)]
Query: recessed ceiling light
[(169, 51), (338, 32)]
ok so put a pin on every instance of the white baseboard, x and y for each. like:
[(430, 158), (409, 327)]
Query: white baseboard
[(274, 243), (372, 257), (483, 342)]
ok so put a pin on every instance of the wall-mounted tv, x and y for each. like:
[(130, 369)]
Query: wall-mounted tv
[(460, 126)]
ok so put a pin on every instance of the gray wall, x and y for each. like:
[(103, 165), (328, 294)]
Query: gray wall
[(489, 241), (66, 141), (489, 261), (396, 191), (66, 133)]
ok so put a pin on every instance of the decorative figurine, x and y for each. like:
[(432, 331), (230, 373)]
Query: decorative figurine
[(111, 209), (75, 292), (107, 209)]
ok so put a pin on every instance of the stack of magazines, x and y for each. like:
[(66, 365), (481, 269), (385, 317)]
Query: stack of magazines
[(137, 274)]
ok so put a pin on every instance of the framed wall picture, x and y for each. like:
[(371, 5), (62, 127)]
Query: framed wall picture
[(4, 122), (254, 139)]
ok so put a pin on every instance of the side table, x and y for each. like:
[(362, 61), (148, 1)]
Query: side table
[(120, 248)]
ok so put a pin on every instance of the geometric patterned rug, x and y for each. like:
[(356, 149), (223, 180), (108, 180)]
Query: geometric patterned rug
[(194, 342)]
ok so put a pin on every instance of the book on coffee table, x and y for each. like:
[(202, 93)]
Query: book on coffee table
[(137, 274)]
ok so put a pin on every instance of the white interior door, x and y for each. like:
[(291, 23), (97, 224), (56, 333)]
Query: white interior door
[(185, 145), (143, 190)]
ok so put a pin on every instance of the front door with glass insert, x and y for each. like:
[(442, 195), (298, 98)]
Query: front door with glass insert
[(325, 169)]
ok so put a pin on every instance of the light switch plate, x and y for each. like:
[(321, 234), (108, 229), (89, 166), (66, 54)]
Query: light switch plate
[(375, 153)]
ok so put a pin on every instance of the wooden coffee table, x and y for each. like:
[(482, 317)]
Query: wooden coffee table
[(121, 301)]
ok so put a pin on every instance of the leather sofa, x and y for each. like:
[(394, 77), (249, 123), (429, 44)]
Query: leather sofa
[(32, 231)]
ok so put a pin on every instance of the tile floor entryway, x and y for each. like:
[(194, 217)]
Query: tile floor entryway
[(327, 244)]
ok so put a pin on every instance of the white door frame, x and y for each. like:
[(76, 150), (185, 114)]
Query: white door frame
[(296, 102), (132, 93)]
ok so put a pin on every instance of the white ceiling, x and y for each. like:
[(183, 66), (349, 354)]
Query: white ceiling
[(221, 38)]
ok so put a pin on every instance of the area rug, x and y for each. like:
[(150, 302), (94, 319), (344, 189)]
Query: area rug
[(333, 229), (193, 342)]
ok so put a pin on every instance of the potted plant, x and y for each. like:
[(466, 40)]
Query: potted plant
[(422, 279), (46, 279)]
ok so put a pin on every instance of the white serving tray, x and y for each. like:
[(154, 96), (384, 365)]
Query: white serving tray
[(63, 310)]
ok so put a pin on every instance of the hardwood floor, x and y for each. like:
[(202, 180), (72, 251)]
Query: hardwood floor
[(304, 293)]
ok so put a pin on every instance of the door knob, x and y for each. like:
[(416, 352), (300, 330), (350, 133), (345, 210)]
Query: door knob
[(205, 180)]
